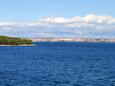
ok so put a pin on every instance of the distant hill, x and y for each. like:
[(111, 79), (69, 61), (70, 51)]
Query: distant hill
[(5, 40)]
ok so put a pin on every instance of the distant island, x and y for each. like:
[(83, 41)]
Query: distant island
[(6, 40), (73, 39)]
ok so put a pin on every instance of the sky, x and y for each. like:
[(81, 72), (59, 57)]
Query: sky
[(57, 18)]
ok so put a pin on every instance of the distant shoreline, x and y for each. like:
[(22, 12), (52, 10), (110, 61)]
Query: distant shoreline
[(17, 45), (112, 40)]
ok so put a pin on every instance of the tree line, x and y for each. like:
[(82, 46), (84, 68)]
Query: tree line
[(5, 40)]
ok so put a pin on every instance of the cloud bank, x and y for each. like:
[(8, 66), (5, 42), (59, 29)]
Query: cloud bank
[(79, 26)]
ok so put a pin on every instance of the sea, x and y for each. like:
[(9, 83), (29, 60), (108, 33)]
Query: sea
[(58, 64)]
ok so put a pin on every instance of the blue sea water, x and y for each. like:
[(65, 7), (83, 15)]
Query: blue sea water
[(58, 64)]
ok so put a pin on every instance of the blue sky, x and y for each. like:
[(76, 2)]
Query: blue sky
[(24, 10), (15, 13)]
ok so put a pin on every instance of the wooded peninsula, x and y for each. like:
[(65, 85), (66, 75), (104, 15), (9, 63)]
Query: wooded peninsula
[(5, 40)]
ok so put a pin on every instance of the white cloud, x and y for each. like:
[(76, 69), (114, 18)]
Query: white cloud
[(85, 19), (95, 25), (55, 20)]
